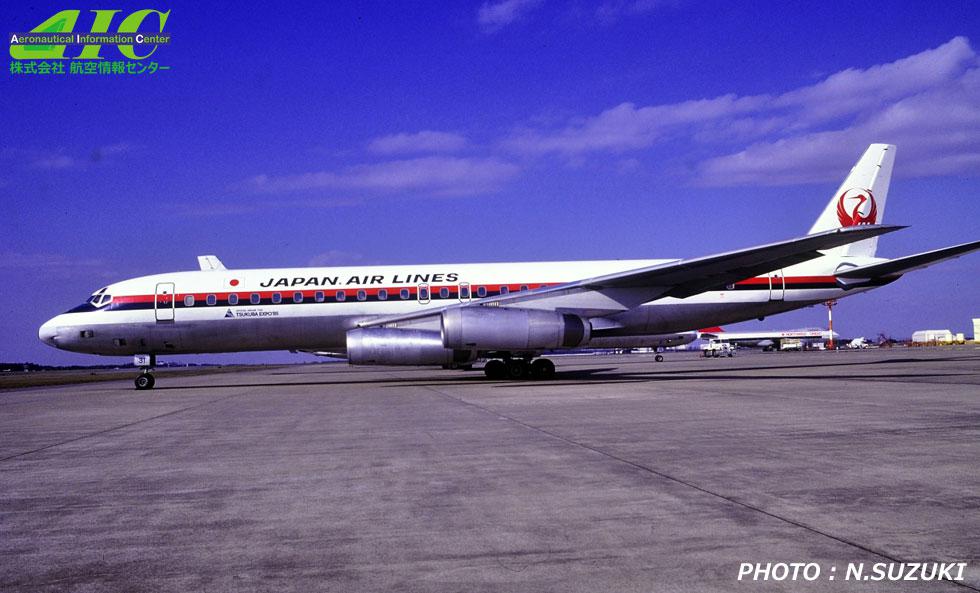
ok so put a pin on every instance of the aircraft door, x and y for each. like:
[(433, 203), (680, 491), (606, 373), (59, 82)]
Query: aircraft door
[(163, 303), (777, 286)]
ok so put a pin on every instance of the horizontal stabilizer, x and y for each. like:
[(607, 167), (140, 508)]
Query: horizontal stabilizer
[(901, 265)]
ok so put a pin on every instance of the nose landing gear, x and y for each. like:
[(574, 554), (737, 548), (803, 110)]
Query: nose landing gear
[(145, 379)]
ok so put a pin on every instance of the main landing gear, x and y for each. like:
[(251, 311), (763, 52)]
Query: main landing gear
[(519, 368), (145, 379)]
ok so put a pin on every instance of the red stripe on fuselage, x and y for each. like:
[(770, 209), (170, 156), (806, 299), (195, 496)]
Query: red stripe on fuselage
[(434, 289)]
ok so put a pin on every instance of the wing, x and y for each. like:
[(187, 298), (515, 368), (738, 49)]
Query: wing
[(620, 291), (901, 265)]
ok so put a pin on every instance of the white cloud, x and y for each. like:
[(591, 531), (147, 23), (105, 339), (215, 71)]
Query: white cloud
[(54, 264), (55, 161), (937, 132), (493, 16), (628, 127), (434, 174), (420, 142), (928, 103), (61, 159), (336, 257)]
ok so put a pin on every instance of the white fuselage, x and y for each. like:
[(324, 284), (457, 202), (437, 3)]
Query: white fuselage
[(314, 308)]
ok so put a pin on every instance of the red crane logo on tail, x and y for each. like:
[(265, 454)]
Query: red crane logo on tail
[(857, 206)]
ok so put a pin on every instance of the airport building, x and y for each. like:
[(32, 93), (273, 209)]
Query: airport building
[(932, 336)]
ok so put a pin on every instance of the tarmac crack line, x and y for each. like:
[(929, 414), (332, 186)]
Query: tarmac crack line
[(114, 428), (683, 482)]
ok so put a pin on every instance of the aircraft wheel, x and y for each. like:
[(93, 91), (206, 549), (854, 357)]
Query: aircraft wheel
[(517, 368), (659, 358), (495, 369), (144, 381), (542, 368)]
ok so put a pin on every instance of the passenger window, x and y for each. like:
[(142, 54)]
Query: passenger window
[(232, 299), (319, 296), (87, 333), (382, 295), (189, 300), (523, 287), (341, 295), (481, 291), (404, 293), (443, 293), (276, 298), (464, 291), (504, 289), (423, 293), (212, 300), (361, 295), (255, 299), (297, 297), (119, 341)]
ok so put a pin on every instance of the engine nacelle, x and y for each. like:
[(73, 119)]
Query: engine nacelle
[(495, 328), (377, 345)]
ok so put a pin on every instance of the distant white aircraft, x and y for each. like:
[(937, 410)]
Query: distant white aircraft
[(507, 313), (767, 339)]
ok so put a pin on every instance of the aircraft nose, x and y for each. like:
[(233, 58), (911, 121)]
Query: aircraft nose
[(48, 333)]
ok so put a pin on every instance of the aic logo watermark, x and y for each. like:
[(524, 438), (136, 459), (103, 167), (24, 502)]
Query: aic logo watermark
[(71, 42)]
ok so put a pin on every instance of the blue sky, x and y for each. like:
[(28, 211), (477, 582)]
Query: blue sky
[(362, 133)]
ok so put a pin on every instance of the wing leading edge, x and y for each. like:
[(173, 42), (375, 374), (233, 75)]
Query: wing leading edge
[(620, 291), (898, 266)]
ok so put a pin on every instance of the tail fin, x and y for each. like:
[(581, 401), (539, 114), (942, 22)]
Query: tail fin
[(860, 199)]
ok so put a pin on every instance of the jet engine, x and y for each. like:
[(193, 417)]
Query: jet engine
[(494, 328), (402, 347)]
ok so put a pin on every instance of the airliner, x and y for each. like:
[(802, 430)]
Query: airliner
[(507, 314), (768, 339)]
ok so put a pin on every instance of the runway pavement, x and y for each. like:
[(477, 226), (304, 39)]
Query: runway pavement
[(620, 475)]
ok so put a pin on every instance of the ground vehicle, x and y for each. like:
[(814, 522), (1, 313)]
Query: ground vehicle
[(717, 348), (791, 344)]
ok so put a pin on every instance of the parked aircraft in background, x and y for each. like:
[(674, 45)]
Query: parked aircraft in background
[(507, 313), (768, 340)]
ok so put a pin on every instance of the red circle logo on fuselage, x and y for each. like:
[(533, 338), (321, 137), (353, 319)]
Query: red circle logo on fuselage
[(857, 206)]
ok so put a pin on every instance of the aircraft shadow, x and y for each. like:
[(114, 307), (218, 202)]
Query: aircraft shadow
[(616, 374)]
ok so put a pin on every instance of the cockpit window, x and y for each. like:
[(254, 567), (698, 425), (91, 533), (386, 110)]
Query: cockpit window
[(99, 298)]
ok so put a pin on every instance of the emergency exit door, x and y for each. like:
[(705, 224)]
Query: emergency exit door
[(163, 303)]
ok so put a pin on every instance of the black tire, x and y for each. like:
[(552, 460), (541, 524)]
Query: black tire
[(495, 369), (144, 381), (517, 368), (542, 368), (659, 358)]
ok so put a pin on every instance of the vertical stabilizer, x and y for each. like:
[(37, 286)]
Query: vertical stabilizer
[(860, 199)]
